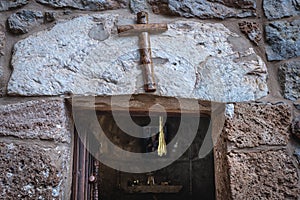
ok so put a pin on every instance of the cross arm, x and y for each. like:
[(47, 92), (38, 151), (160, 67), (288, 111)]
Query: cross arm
[(134, 29)]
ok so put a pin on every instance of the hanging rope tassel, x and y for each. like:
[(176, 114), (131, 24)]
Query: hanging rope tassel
[(162, 147)]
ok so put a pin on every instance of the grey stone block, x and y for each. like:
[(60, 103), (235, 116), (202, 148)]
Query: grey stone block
[(283, 40), (289, 78), (281, 8), (8, 4), (23, 21), (204, 9), (86, 4)]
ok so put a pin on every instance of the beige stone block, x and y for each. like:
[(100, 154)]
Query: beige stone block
[(254, 124), (34, 171), (262, 175), (44, 119)]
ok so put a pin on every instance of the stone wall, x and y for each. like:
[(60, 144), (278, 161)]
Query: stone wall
[(243, 52)]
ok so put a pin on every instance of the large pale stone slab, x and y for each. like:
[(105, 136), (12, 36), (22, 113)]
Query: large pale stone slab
[(35, 119), (253, 125), (34, 171), (86, 56), (268, 174)]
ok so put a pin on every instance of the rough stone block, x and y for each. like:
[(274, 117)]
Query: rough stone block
[(297, 104), (283, 40), (252, 30), (296, 127), (35, 119), (221, 169), (9, 4), (289, 78), (237, 3), (258, 124), (220, 9), (263, 175), (281, 8), (23, 21), (86, 56), (31, 171), (138, 5), (2, 42), (91, 5)]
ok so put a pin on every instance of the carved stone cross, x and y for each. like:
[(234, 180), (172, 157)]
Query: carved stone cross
[(142, 29)]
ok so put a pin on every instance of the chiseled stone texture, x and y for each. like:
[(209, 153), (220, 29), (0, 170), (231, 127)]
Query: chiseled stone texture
[(31, 171), (9, 4), (289, 78), (268, 174), (258, 124), (204, 9), (23, 21), (91, 5), (281, 8), (86, 56), (35, 119), (283, 40)]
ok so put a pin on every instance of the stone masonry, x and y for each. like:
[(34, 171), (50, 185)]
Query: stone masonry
[(242, 53), (257, 160)]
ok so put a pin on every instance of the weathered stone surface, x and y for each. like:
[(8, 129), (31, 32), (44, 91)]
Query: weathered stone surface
[(237, 3), (49, 16), (2, 42), (31, 171), (86, 56), (281, 8), (138, 5), (263, 175), (297, 104), (86, 4), (9, 4), (296, 127), (35, 119), (202, 9), (221, 169), (252, 30), (289, 78), (283, 40), (297, 154), (23, 21), (258, 124)]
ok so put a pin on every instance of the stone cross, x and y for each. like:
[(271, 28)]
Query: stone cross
[(142, 29)]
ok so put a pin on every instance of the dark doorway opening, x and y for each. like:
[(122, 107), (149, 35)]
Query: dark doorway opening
[(191, 176)]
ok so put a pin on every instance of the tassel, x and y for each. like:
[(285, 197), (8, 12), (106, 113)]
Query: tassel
[(162, 147)]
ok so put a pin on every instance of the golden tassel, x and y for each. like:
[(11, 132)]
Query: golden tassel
[(162, 147)]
